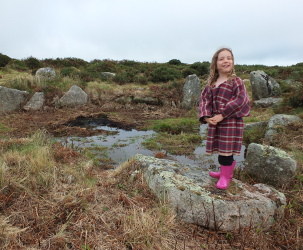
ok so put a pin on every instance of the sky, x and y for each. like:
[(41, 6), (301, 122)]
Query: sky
[(267, 32)]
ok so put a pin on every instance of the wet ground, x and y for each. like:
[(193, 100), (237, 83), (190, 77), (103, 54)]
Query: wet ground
[(115, 127), (122, 142)]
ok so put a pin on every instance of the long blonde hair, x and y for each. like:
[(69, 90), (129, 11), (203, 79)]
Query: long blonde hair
[(213, 71)]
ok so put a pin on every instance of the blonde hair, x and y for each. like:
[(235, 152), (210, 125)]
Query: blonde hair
[(213, 71)]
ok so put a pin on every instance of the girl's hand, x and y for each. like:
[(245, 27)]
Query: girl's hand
[(217, 118), (210, 121)]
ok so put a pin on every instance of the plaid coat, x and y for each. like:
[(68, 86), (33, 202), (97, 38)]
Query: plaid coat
[(231, 100)]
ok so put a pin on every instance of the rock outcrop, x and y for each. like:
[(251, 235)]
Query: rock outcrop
[(192, 192)]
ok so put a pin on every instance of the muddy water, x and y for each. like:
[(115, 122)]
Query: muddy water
[(126, 142)]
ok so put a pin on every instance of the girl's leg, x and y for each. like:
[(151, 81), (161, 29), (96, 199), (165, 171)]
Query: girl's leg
[(226, 170), (225, 161)]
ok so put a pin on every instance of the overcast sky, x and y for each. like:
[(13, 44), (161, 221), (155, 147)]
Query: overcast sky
[(268, 32)]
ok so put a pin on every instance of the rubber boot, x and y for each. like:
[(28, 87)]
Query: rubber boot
[(225, 174), (217, 174)]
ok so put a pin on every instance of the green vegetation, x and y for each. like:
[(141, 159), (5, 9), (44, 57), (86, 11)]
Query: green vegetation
[(175, 136), (58, 197)]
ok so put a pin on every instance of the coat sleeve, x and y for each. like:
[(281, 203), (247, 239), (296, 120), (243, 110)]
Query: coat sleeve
[(239, 104), (205, 104)]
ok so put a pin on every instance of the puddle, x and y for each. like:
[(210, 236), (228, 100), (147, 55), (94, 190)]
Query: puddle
[(125, 142)]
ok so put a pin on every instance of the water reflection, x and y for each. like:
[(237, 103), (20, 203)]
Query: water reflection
[(126, 143)]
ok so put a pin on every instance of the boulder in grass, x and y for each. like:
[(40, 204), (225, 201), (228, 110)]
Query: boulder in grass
[(192, 193)]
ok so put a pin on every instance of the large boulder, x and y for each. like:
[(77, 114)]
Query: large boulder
[(192, 192), (75, 97), (36, 102), (46, 73), (263, 86), (191, 92), (269, 165), (11, 99), (278, 121)]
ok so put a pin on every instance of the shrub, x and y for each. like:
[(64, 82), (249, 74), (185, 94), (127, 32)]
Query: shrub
[(129, 63), (64, 62), (122, 77), (4, 60), (164, 73), (141, 79), (295, 97), (17, 65), (201, 68), (96, 67), (67, 71), (32, 63), (255, 134), (73, 62), (189, 71), (174, 62)]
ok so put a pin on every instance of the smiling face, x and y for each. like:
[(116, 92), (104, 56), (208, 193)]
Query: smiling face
[(225, 62)]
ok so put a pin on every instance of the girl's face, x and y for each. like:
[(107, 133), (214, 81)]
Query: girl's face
[(225, 62)]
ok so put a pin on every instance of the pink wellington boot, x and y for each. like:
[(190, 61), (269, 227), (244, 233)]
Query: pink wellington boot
[(217, 174), (226, 172)]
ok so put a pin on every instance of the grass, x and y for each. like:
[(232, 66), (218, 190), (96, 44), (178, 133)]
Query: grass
[(180, 144), (52, 197), (55, 198), (175, 136)]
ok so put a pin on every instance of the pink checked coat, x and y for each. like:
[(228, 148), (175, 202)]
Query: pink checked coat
[(231, 100)]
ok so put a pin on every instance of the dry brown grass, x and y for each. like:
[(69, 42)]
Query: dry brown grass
[(53, 198)]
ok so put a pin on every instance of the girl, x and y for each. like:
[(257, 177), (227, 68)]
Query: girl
[(223, 104)]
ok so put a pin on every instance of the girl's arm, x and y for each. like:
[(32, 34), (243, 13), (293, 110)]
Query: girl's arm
[(205, 105), (239, 104)]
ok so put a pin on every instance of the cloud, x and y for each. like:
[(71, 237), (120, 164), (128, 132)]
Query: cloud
[(259, 32)]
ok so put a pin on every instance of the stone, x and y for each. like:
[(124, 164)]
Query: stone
[(46, 73), (255, 125), (108, 74), (268, 102), (275, 122), (191, 92), (74, 97), (263, 86), (11, 99), (192, 193), (36, 102), (269, 165)]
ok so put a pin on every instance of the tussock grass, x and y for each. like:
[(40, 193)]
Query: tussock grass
[(54, 198)]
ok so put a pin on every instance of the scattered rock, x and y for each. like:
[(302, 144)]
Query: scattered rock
[(46, 74), (268, 102), (11, 99), (108, 74), (36, 102), (269, 165), (74, 97), (253, 125), (263, 86), (275, 122), (191, 92)]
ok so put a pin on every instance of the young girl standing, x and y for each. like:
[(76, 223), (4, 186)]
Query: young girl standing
[(223, 104)]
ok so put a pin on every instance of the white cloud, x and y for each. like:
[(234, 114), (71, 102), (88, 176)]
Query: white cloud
[(259, 32)]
